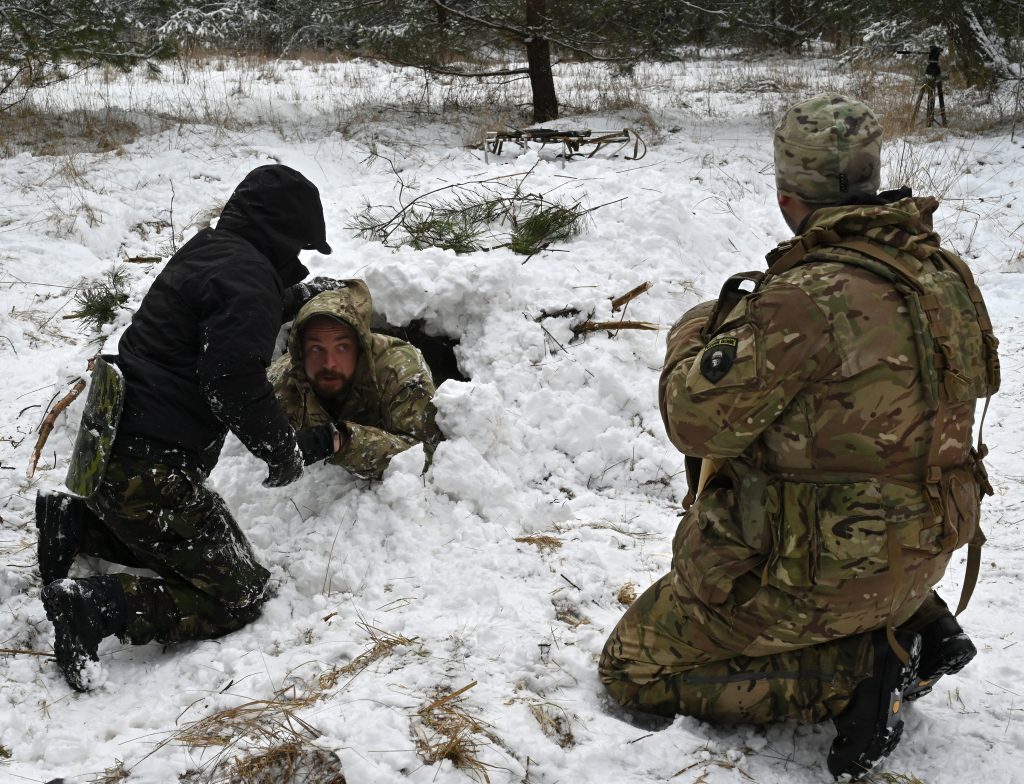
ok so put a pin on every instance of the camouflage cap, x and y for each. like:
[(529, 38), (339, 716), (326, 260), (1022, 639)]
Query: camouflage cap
[(827, 149)]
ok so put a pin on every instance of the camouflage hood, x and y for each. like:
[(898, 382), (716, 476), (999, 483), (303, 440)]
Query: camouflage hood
[(351, 305)]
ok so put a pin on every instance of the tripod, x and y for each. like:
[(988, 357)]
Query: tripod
[(932, 87)]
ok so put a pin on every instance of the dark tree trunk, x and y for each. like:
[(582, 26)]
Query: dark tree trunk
[(538, 59), (786, 16), (974, 48)]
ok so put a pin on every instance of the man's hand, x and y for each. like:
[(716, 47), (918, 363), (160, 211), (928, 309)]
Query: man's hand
[(319, 285), (285, 473), (298, 295), (318, 443)]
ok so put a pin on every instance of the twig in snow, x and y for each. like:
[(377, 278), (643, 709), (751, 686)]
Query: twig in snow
[(569, 581), (612, 326), (174, 242), (20, 652), (447, 698), (51, 419), (630, 295)]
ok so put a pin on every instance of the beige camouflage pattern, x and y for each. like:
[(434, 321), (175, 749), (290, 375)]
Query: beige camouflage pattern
[(828, 149), (659, 660), (388, 406), (820, 432)]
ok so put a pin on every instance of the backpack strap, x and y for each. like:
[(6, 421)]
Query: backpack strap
[(728, 298)]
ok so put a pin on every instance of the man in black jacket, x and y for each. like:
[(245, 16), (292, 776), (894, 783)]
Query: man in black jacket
[(194, 365)]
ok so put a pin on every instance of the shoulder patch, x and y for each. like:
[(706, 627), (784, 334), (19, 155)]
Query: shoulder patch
[(718, 358)]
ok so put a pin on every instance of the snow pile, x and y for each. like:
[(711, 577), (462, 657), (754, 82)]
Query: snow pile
[(499, 570)]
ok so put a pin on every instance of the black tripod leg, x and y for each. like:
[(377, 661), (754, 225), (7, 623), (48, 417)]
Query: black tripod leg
[(942, 105)]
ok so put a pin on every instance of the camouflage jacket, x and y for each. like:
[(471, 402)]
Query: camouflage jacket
[(810, 397), (388, 406)]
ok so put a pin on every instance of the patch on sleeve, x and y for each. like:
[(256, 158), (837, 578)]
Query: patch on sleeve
[(718, 358)]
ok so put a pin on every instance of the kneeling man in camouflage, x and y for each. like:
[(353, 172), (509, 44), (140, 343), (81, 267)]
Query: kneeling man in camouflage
[(827, 419)]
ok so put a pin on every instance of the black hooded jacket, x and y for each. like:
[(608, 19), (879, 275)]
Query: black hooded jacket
[(195, 356)]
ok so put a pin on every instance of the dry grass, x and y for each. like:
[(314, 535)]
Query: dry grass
[(112, 775), (570, 614), (42, 132), (638, 535), (627, 594), (554, 722), (928, 169), (444, 730), (276, 744), (543, 542), (293, 762), (383, 644), (893, 778)]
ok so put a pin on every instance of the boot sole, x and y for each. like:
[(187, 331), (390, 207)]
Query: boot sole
[(957, 652)]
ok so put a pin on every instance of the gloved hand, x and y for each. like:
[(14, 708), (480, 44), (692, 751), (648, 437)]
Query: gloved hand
[(296, 296), (284, 473), (316, 443)]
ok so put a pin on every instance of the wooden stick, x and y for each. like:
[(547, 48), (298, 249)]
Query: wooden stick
[(613, 326), (19, 652), (629, 296), (447, 698), (47, 425)]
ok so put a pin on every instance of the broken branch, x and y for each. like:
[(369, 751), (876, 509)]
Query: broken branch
[(447, 698), (619, 302), (47, 425), (612, 326)]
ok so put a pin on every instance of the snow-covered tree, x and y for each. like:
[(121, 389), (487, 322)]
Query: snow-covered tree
[(37, 37)]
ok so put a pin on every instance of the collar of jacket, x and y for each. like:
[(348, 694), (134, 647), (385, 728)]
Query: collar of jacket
[(905, 224)]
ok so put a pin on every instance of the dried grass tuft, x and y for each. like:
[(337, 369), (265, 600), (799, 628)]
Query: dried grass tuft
[(569, 614), (383, 644), (639, 535), (543, 542), (893, 778), (277, 745), (554, 722), (295, 763), (113, 775), (445, 730), (627, 593)]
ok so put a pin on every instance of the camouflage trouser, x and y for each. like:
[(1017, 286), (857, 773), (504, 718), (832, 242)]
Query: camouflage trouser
[(164, 519), (659, 660)]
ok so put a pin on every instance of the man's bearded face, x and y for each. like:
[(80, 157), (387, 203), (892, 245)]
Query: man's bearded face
[(330, 351)]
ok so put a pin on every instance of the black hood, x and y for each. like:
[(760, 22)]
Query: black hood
[(279, 211)]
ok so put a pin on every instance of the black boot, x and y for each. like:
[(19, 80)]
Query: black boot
[(61, 523), (83, 612), (870, 726), (945, 649)]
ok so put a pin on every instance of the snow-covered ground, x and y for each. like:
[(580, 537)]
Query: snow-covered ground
[(501, 570)]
